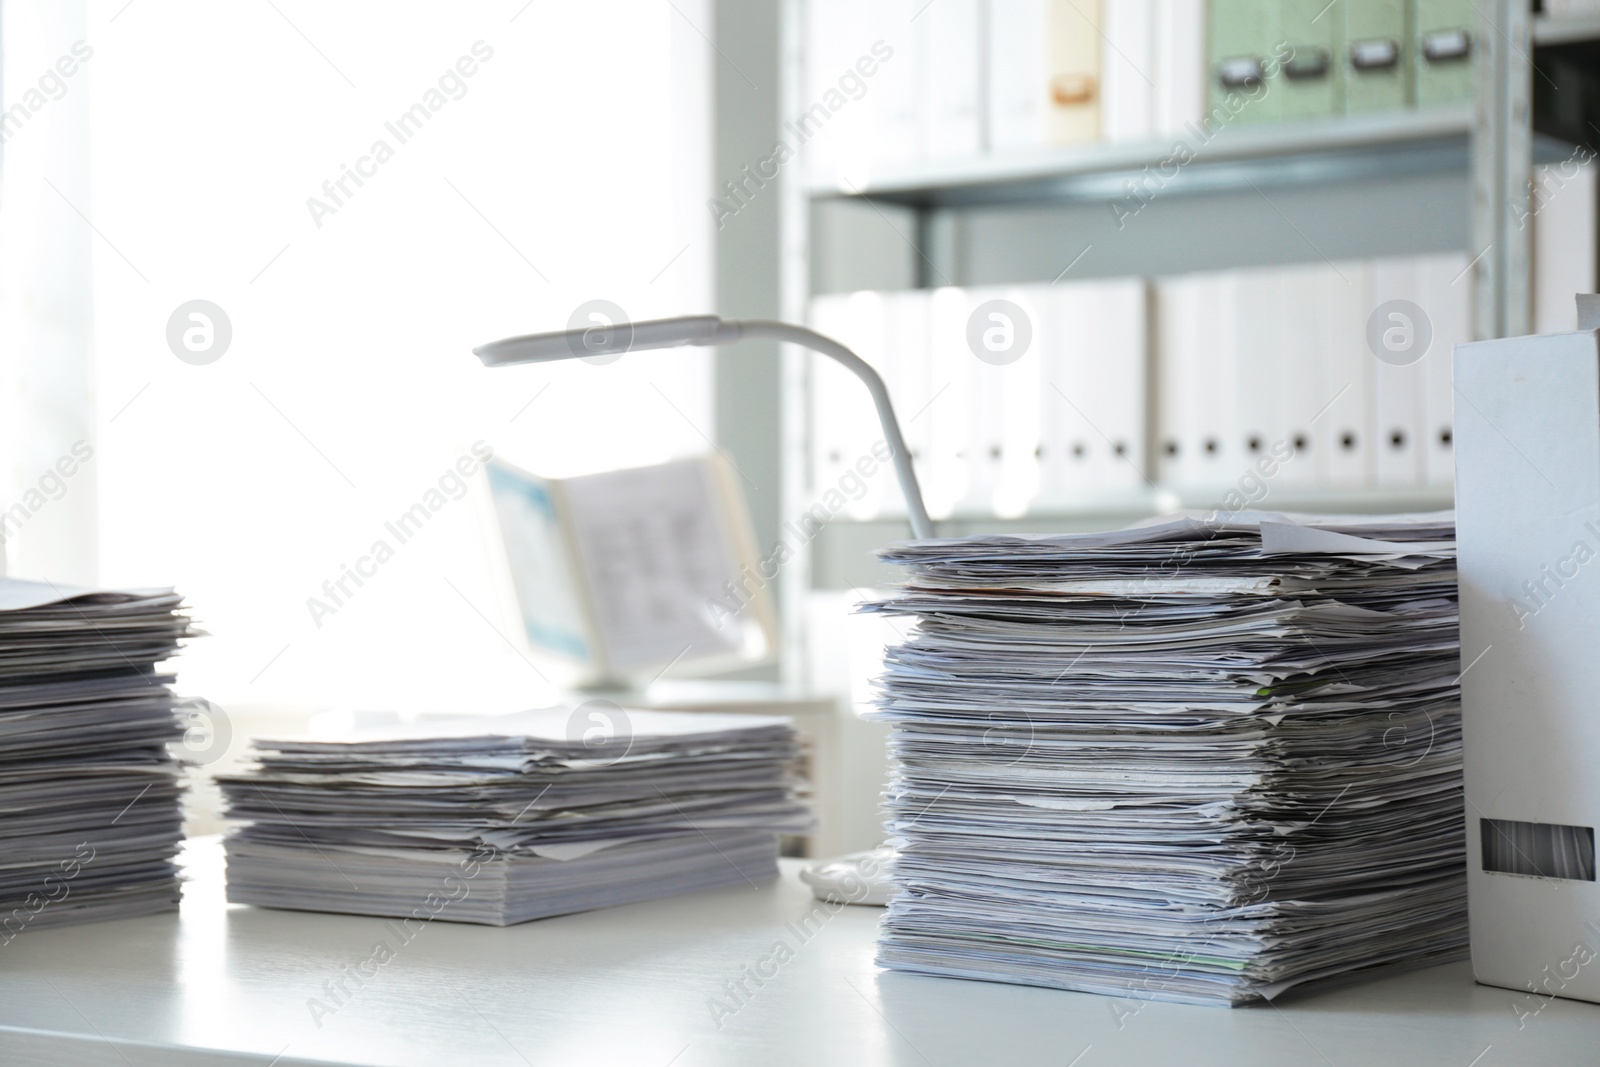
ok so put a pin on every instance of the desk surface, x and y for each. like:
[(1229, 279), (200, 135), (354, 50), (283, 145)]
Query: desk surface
[(219, 984)]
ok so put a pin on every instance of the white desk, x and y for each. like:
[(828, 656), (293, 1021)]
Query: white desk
[(230, 985)]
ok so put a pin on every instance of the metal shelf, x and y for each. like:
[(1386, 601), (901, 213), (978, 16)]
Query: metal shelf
[(1234, 158), (1572, 30)]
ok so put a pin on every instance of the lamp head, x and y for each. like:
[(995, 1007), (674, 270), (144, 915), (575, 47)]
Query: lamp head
[(605, 340)]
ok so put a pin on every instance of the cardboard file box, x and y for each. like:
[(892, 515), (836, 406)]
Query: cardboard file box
[(1527, 438)]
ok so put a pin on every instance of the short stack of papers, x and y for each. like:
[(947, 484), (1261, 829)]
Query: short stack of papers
[(90, 793), (1201, 761), (503, 819)]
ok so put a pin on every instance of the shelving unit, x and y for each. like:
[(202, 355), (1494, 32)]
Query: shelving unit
[(1284, 153), (1454, 173)]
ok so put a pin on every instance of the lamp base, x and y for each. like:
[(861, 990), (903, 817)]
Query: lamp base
[(859, 878)]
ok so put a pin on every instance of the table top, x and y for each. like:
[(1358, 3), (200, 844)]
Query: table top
[(658, 984)]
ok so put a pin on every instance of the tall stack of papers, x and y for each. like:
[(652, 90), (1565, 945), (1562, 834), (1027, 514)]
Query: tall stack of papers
[(508, 818), (1197, 761), (91, 795)]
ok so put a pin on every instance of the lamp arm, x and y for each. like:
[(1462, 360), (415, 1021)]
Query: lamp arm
[(916, 511), (578, 343)]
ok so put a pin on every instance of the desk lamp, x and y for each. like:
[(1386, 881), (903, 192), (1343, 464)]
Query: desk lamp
[(613, 340), (845, 879)]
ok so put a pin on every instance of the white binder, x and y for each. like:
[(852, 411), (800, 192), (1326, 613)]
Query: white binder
[(1177, 301), (1019, 74), (824, 139), (1218, 457), (867, 330), (1128, 63), (1197, 349), (827, 317), (950, 402), (1264, 346), (910, 366), (1064, 433), (843, 419), (1103, 324), (892, 92), (1342, 437), (1017, 475), (1179, 29), (988, 385), (1306, 340), (1399, 388), (1446, 287), (953, 81)]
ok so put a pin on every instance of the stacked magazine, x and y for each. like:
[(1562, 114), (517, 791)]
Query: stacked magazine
[(90, 793), (1202, 761), (502, 819)]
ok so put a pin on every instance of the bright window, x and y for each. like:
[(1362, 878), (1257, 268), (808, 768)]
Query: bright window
[(367, 190)]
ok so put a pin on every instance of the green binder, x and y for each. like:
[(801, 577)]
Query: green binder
[(1241, 35), (1444, 37), (1377, 55), (1310, 83)]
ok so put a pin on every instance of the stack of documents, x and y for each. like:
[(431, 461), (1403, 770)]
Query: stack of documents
[(91, 795), (1201, 761), (503, 819)]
